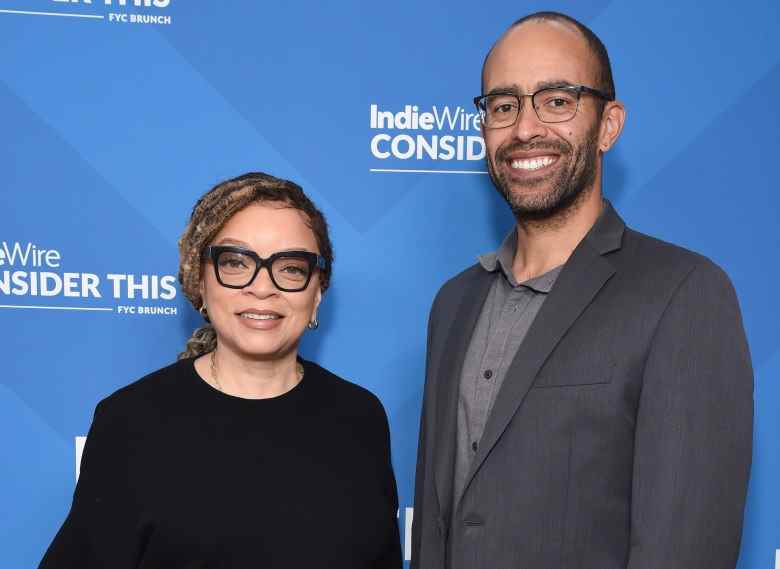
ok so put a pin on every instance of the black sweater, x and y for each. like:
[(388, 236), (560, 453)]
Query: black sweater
[(177, 474)]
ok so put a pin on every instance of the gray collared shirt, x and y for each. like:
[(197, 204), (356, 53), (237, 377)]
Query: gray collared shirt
[(506, 316)]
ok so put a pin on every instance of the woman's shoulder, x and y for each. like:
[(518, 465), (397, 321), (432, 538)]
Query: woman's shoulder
[(151, 391), (342, 393)]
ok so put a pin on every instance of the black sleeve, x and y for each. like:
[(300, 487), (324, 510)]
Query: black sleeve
[(98, 531), (390, 558)]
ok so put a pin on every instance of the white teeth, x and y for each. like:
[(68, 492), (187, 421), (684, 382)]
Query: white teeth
[(253, 316), (533, 163)]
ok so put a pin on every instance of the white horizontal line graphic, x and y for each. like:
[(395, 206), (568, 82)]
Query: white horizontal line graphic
[(399, 170), (90, 309), (60, 14)]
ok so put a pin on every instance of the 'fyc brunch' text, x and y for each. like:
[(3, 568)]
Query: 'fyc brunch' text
[(129, 18)]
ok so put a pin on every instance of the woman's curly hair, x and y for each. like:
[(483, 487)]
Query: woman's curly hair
[(210, 214)]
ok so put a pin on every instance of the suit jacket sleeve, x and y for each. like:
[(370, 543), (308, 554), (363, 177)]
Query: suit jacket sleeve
[(420, 481), (418, 491), (693, 431)]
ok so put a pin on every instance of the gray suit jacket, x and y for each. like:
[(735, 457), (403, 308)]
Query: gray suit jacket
[(621, 437)]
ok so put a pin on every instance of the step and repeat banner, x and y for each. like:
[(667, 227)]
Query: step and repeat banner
[(115, 115)]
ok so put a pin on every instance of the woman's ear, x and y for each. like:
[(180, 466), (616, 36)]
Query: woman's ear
[(317, 300)]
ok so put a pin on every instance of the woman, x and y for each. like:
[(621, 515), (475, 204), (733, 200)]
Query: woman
[(241, 454)]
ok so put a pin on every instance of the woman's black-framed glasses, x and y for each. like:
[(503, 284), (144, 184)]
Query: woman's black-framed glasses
[(551, 104), (236, 267)]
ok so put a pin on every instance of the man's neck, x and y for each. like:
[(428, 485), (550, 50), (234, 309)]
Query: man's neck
[(549, 244)]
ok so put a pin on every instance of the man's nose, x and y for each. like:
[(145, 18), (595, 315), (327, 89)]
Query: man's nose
[(528, 126)]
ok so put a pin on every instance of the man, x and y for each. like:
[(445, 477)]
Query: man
[(588, 399)]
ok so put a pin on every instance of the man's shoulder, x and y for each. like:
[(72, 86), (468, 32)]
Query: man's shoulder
[(454, 287), (660, 261), (650, 252), (465, 278)]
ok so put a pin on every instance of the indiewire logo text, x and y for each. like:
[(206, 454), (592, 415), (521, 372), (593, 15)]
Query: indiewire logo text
[(29, 270), (412, 133)]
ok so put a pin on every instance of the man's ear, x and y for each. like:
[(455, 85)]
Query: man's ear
[(612, 120)]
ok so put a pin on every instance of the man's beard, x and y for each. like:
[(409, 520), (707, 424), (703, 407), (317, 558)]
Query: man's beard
[(570, 183)]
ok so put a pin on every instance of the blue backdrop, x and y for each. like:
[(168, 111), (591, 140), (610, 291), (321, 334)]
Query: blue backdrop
[(114, 119)]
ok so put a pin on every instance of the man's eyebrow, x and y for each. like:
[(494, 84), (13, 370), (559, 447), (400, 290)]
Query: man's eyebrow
[(551, 84), (503, 90), (515, 90)]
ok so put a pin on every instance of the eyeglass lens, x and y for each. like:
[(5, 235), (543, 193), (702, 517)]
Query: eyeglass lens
[(551, 105), (237, 269)]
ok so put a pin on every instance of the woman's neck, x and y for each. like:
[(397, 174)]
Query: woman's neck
[(237, 375)]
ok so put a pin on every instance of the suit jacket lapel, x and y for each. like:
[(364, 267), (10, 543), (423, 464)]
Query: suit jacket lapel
[(465, 320), (582, 277)]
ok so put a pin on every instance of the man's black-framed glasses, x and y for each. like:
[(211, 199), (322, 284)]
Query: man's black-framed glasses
[(551, 104), (237, 267)]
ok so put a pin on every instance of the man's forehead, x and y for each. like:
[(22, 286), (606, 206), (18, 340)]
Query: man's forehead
[(537, 52), (546, 26)]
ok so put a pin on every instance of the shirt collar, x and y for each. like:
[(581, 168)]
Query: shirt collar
[(502, 259)]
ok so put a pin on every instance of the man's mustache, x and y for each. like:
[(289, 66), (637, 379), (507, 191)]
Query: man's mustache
[(558, 146)]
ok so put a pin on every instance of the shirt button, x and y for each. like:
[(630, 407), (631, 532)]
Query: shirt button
[(488, 374), (474, 446)]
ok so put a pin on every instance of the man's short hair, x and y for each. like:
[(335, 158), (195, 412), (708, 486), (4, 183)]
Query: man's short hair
[(604, 81)]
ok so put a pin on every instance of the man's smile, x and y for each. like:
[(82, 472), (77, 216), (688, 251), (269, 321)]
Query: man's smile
[(531, 164)]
